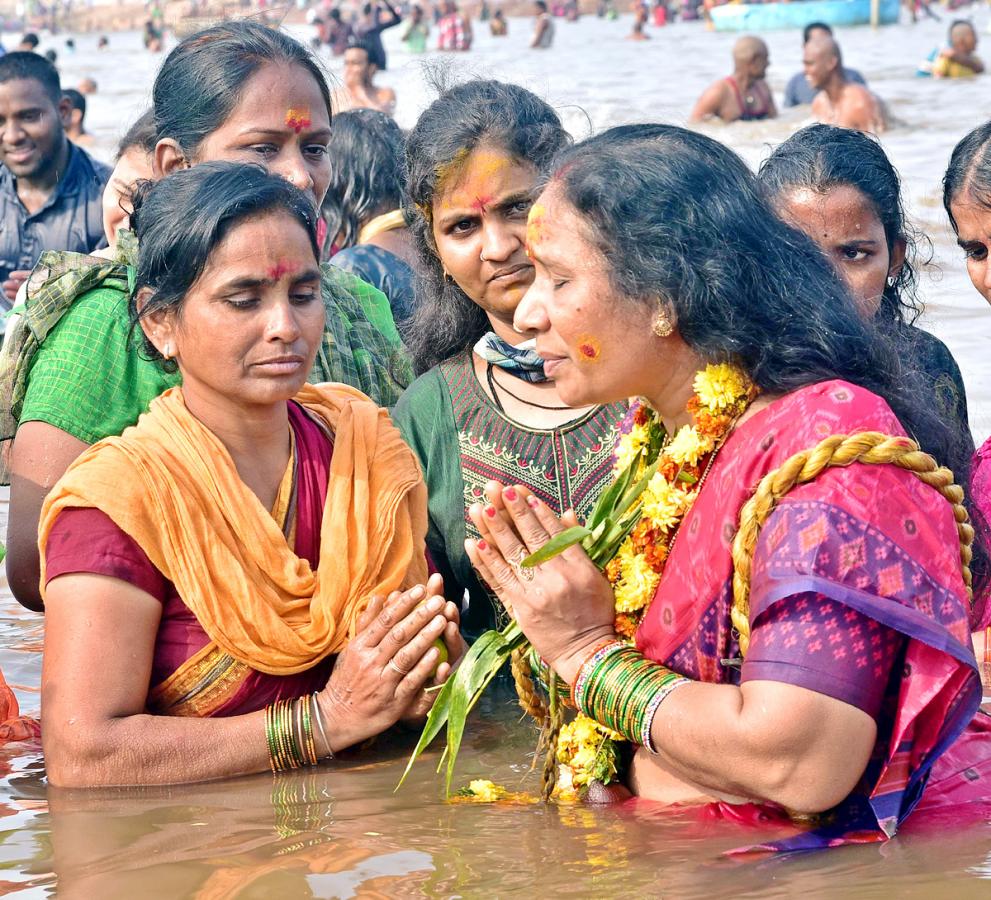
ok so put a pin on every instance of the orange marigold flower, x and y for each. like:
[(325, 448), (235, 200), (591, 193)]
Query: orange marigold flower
[(613, 570), (626, 625)]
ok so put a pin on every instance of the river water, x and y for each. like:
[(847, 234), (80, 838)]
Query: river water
[(341, 832)]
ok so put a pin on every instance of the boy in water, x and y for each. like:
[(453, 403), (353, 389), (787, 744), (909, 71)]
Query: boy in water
[(959, 59)]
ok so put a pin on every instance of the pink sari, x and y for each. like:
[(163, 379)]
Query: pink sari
[(872, 539)]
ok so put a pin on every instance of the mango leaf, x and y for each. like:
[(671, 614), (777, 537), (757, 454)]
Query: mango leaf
[(462, 690), (608, 499), (557, 544)]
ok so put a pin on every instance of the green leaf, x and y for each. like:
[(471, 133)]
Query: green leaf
[(608, 499), (557, 544), (462, 691)]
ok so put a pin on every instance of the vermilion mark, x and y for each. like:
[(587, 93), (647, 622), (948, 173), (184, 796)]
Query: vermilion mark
[(589, 349), (278, 270), (298, 118)]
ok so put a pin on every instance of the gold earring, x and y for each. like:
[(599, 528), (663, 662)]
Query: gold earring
[(663, 326)]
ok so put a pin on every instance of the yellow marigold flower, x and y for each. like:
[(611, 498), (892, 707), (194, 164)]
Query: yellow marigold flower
[(486, 791), (637, 583), (688, 446), (663, 502), (629, 446), (581, 765), (720, 386)]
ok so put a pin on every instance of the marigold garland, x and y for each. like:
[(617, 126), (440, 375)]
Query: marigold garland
[(586, 750)]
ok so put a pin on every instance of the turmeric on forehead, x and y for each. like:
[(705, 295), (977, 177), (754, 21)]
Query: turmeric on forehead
[(472, 176)]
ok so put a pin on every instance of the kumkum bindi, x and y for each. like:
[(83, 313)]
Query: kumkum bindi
[(298, 118)]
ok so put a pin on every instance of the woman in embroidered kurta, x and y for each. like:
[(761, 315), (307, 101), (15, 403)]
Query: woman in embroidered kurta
[(858, 693), (484, 408), (193, 566)]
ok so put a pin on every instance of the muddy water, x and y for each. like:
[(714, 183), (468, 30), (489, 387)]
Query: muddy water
[(341, 831)]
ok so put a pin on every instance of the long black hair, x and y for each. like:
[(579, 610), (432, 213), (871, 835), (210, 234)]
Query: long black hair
[(821, 157), (969, 170), (504, 116), (366, 172), (181, 219), (202, 79), (681, 220)]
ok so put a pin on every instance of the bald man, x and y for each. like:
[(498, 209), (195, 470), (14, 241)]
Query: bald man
[(744, 95), (839, 101)]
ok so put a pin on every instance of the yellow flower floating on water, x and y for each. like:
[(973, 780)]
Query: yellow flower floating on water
[(485, 791), (721, 386), (688, 446), (637, 581), (481, 790)]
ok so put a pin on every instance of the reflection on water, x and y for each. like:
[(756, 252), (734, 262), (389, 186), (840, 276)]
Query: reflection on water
[(341, 831)]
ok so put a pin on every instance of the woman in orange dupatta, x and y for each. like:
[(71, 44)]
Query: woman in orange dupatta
[(251, 551)]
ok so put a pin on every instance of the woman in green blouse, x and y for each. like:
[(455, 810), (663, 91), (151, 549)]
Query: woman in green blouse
[(484, 408)]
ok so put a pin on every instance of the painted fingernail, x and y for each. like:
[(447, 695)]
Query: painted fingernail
[(482, 545), (509, 493), (532, 502), (490, 511)]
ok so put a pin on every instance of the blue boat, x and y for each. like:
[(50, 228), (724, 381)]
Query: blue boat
[(770, 16)]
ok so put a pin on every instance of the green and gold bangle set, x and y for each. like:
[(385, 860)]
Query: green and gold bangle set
[(289, 728), (621, 689)]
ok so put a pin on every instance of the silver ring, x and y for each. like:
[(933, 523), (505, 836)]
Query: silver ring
[(524, 573), (392, 664)]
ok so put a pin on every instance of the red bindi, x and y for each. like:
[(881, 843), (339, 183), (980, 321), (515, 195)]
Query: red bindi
[(298, 118)]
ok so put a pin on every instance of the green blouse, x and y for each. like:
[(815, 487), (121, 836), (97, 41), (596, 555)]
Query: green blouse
[(462, 441)]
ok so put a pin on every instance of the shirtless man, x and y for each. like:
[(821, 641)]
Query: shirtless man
[(744, 94), (839, 102), (359, 92)]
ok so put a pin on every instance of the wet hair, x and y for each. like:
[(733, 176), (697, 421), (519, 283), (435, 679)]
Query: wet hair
[(969, 170), (361, 43), (366, 153), (476, 113), (204, 77), (821, 157), (24, 65), (955, 23), (815, 26), (680, 220), (77, 100), (142, 135), (180, 220)]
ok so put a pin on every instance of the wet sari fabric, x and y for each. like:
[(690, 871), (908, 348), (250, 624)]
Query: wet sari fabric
[(87, 540), (882, 549)]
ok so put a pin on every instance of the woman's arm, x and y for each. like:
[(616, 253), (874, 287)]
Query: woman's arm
[(39, 457), (763, 741), (99, 645)]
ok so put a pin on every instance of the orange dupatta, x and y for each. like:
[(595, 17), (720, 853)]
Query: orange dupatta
[(170, 484)]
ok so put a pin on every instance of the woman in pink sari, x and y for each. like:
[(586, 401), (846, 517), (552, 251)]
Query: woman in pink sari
[(849, 696)]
